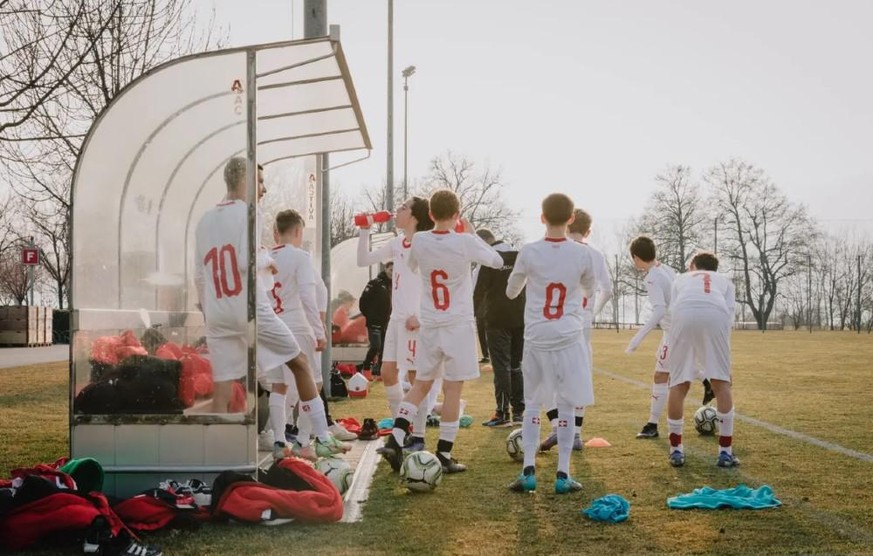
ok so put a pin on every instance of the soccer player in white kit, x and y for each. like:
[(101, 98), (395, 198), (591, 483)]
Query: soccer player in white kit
[(221, 253), (558, 273), (446, 341), (401, 336), (700, 335), (579, 230)]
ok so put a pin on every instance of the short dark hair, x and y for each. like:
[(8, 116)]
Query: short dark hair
[(644, 248), (557, 209), (420, 211), (486, 235), (288, 220), (444, 204), (705, 261), (581, 224)]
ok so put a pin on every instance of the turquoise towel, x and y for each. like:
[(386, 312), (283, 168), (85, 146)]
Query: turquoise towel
[(611, 508), (386, 423), (741, 497)]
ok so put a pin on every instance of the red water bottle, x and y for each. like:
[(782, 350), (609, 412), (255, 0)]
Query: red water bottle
[(368, 219), (459, 227)]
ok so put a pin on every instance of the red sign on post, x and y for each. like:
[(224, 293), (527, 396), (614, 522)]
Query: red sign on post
[(29, 256)]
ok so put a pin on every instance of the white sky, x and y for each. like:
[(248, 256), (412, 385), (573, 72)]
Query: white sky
[(594, 98)]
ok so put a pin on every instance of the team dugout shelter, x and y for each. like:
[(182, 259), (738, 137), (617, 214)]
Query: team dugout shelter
[(151, 166)]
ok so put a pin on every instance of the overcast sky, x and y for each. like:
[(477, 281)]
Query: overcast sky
[(594, 98)]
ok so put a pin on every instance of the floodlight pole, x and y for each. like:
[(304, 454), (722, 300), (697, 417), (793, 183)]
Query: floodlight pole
[(315, 25), (409, 70)]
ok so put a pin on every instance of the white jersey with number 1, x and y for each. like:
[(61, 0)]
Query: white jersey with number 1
[(701, 289), (406, 285)]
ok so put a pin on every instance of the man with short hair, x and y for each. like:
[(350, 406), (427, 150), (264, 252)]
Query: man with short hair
[(504, 328)]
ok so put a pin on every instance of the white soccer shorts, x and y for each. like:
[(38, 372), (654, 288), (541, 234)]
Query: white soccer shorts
[(447, 352), (400, 345), (700, 339), (558, 377)]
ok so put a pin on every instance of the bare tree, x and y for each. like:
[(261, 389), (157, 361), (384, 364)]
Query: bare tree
[(480, 193), (104, 45), (342, 215), (675, 216), (14, 283), (767, 236)]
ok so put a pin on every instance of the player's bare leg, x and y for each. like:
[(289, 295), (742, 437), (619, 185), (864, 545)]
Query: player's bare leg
[(419, 423), (656, 407), (312, 406), (675, 422), (724, 404), (222, 393), (393, 389)]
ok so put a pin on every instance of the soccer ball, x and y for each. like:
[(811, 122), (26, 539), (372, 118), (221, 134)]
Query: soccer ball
[(338, 471), (421, 472), (514, 445), (705, 420)]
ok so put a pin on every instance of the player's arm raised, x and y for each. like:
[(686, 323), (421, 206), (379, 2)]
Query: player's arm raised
[(482, 253), (367, 257)]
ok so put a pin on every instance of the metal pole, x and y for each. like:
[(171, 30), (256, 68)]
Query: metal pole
[(315, 25), (252, 203), (389, 173), (31, 278), (405, 136)]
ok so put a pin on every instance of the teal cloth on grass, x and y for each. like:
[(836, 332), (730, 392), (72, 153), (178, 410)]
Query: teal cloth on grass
[(611, 508), (385, 424), (741, 497)]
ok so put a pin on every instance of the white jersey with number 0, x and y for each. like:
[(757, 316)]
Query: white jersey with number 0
[(443, 260), (557, 273)]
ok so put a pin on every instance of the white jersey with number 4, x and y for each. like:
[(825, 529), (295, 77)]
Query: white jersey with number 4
[(221, 268), (558, 274), (701, 289), (406, 284), (443, 260)]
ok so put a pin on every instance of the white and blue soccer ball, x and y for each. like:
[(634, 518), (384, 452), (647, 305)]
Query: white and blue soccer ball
[(421, 472), (515, 446), (338, 471), (706, 420)]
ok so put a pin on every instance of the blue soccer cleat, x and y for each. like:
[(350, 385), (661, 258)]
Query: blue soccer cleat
[(524, 483), (677, 458), (566, 485), (727, 460)]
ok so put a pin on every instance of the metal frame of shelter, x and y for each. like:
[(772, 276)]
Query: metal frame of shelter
[(149, 169)]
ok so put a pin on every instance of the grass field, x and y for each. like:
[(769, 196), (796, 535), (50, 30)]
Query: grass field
[(817, 385)]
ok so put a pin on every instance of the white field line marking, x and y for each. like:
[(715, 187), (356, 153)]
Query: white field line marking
[(830, 446), (359, 490)]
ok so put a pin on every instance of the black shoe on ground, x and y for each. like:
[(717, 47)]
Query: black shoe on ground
[(650, 430), (497, 420), (484, 360), (392, 452), (517, 418), (369, 430), (451, 465), (708, 394)]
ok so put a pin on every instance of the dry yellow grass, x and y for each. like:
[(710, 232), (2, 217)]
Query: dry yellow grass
[(816, 385)]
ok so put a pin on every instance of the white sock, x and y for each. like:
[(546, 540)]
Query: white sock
[(659, 401), (530, 435), (449, 431), (394, 394), (277, 416), (314, 409), (725, 431), (566, 429), (419, 424), (675, 427)]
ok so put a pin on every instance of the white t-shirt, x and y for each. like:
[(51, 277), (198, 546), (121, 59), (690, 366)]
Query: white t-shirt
[(406, 284), (558, 274), (443, 261), (699, 289), (294, 294), (221, 268)]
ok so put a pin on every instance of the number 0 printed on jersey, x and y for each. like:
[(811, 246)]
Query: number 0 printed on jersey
[(556, 294), (439, 290), (223, 260)]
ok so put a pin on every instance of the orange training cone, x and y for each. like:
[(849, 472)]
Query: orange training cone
[(597, 442)]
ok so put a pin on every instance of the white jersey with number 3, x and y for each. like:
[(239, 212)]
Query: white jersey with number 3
[(558, 273), (221, 268), (700, 289), (443, 261)]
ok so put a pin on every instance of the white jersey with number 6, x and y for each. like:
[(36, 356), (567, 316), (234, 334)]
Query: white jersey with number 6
[(558, 274), (221, 268), (443, 260)]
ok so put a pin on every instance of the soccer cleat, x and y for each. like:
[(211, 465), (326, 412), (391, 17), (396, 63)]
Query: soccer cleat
[(330, 447), (727, 460), (369, 430), (524, 483), (303, 452), (414, 444), (650, 430), (577, 442), (451, 465), (392, 452), (290, 434), (565, 485), (340, 433), (497, 420), (433, 420), (708, 394), (484, 360), (265, 441), (550, 442), (677, 458)]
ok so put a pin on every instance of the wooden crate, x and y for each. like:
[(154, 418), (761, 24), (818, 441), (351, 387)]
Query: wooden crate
[(25, 326)]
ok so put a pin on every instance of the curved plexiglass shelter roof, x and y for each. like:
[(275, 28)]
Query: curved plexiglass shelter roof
[(152, 163)]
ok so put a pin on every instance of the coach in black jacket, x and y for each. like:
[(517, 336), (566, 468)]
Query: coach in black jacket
[(375, 305), (504, 321)]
